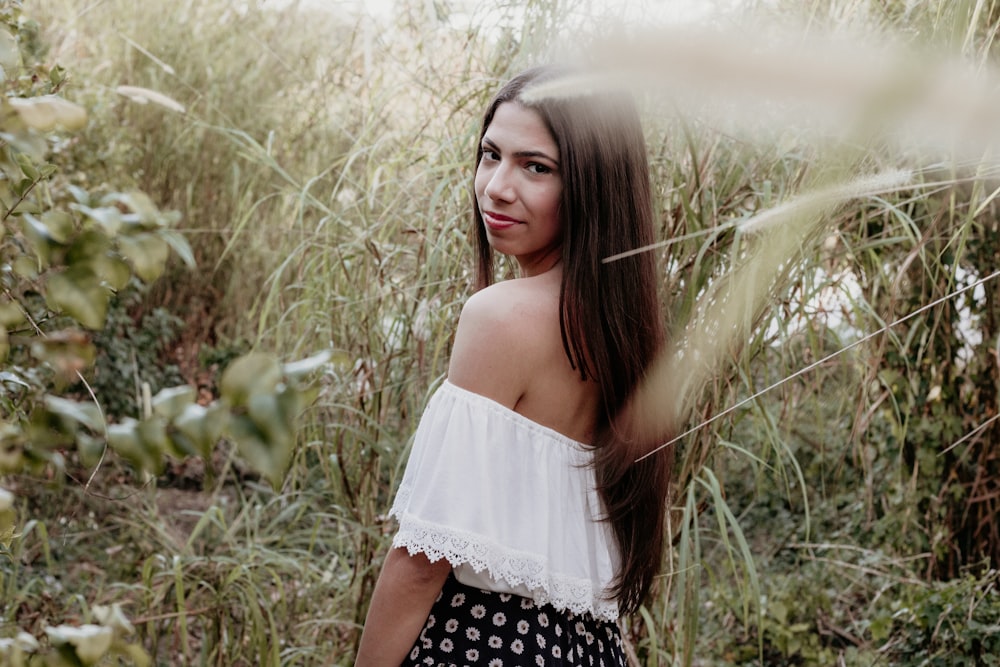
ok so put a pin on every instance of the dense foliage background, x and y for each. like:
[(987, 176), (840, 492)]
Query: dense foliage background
[(219, 188)]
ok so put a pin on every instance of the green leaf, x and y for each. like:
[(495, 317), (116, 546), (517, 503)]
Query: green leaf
[(39, 237), (180, 245), (49, 112), (148, 254), (68, 352), (297, 369), (248, 376), (57, 75), (126, 440), (30, 143), (291, 402), (153, 434), (81, 195), (20, 188), (90, 449), (171, 402), (203, 426), (10, 55), (89, 643), (26, 267), (108, 217), (60, 225), (6, 500), (11, 448), (135, 654), (140, 204), (87, 414), (49, 430), (112, 616), (27, 166), (274, 416), (87, 246), (180, 446), (111, 269), (269, 458), (79, 294), (8, 518)]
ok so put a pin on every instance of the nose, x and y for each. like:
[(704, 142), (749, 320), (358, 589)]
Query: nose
[(500, 186)]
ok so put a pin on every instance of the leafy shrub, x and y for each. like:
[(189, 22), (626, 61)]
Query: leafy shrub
[(948, 624), (130, 354)]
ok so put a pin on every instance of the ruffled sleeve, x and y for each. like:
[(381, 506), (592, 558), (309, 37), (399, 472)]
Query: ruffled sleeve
[(489, 489)]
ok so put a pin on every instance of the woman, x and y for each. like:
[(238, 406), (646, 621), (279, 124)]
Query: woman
[(526, 527)]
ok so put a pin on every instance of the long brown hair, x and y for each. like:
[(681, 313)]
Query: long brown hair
[(610, 316)]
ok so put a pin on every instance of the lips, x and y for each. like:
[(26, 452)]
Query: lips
[(498, 220)]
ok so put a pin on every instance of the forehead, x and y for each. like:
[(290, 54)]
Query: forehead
[(520, 128)]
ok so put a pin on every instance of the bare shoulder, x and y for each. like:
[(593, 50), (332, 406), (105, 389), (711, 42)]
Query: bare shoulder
[(503, 333)]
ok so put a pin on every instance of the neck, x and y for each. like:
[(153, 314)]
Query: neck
[(536, 266)]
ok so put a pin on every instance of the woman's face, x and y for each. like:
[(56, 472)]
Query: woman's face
[(518, 188)]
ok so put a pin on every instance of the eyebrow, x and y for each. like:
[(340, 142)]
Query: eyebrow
[(487, 143)]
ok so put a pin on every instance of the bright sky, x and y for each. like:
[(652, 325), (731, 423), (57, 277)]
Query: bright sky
[(667, 11)]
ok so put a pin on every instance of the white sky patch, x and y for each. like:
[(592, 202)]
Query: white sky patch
[(463, 13)]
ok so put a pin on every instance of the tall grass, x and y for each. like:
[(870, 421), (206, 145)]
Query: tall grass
[(323, 167)]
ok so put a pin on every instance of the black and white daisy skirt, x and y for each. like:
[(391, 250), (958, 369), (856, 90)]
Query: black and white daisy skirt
[(470, 626)]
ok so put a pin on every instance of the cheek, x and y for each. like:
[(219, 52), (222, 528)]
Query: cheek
[(481, 179), (553, 201)]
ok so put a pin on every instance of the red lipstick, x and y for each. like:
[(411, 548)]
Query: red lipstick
[(499, 221)]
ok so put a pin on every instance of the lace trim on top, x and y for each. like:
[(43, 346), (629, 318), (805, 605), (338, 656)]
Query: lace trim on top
[(486, 487)]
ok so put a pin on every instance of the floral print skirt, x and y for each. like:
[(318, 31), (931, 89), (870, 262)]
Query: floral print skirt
[(470, 626)]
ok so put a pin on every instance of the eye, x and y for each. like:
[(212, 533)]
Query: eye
[(490, 155), (538, 168)]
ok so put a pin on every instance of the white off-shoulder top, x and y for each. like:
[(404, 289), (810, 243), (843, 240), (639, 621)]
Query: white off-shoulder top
[(510, 503)]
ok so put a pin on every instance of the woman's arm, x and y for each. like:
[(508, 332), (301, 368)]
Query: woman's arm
[(488, 357), (403, 597)]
